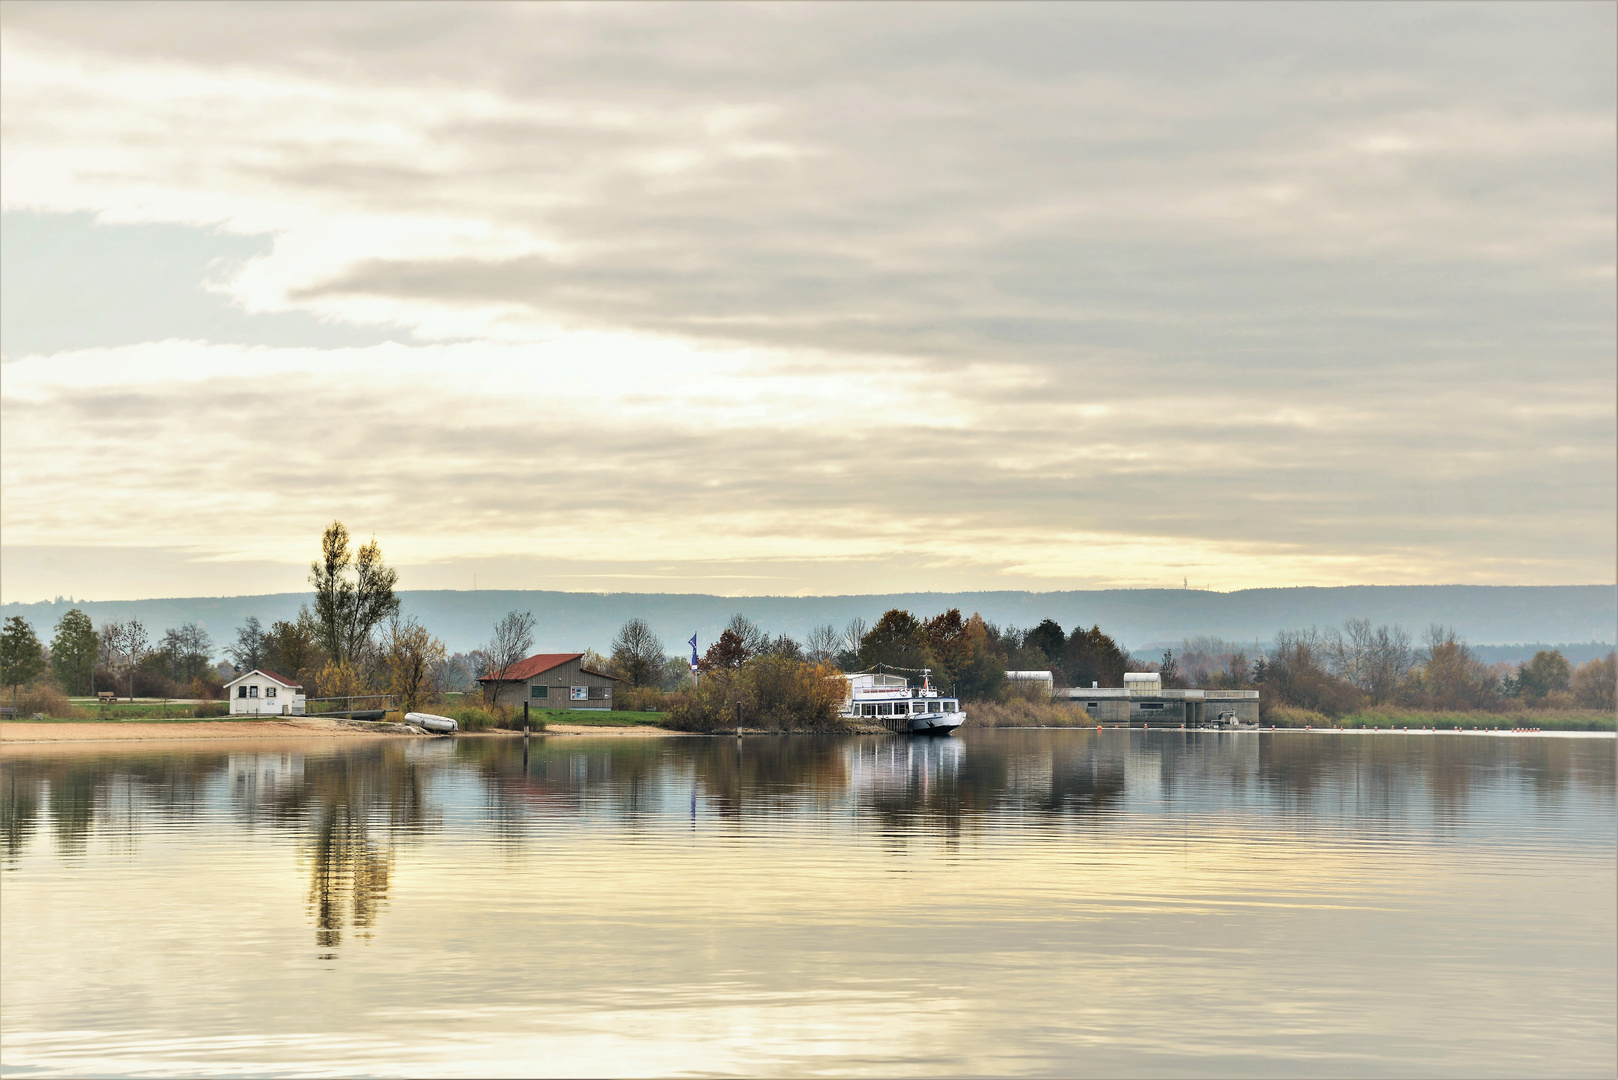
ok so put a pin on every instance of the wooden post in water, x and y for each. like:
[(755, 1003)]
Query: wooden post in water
[(525, 719)]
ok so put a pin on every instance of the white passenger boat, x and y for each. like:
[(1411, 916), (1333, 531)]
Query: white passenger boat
[(438, 725), (891, 701)]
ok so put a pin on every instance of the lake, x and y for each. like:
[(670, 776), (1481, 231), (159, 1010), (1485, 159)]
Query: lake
[(1070, 902)]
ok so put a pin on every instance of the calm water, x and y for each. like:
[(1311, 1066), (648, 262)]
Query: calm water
[(1044, 902)]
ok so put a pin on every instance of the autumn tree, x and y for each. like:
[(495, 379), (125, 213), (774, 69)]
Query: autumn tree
[(292, 648), (22, 657), (412, 656), (73, 653), (1595, 684), (353, 593), (637, 654), (728, 653), (1547, 673)]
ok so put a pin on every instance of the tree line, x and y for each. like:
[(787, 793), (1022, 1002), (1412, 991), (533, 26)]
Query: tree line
[(352, 640)]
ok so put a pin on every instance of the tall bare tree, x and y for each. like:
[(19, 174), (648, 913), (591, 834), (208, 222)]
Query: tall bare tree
[(248, 652), (821, 647), (637, 654), (126, 642), (752, 635), (513, 639)]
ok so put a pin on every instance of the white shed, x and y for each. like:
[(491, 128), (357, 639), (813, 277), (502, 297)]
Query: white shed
[(261, 692)]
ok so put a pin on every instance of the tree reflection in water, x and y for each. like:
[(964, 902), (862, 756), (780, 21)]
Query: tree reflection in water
[(352, 811), (351, 807)]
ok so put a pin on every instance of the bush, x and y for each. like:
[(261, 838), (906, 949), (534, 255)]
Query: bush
[(1024, 712), (1288, 716), (490, 718), (772, 693), (44, 698), (641, 699)]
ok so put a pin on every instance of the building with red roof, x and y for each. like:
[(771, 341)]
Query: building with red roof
[(551, 681)]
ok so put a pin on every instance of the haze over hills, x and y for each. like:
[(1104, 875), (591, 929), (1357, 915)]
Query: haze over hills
[(1139, 618)]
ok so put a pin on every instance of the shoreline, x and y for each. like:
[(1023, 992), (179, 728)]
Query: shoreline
[(46, 732)]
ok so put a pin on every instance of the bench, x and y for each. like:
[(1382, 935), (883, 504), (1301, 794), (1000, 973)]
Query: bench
[(107, 697)]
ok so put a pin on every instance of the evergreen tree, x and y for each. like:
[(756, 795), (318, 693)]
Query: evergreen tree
[(73, 653), (22, 657)]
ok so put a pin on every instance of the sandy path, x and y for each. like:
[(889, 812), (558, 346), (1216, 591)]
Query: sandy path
[(135, 731)]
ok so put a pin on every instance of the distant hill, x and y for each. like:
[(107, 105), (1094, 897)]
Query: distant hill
[(1484, 614)]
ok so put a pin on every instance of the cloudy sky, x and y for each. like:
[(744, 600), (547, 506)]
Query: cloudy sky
[(824, 299)]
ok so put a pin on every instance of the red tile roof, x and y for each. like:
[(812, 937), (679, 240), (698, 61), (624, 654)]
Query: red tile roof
[(538, 665)]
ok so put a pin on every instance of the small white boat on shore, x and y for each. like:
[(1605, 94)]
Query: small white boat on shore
[(431, 722), (891, 701)]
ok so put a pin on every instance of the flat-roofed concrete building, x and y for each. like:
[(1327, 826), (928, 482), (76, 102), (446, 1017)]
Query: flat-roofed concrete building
[(553, 681), (1143, 701)]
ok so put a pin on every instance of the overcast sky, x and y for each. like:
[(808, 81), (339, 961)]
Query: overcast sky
[(822, 299)]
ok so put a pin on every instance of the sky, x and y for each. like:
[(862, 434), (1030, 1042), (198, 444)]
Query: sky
[(826, 299)]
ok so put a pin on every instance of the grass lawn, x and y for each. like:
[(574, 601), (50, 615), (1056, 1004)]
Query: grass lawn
[(599, 717), (87, 710)]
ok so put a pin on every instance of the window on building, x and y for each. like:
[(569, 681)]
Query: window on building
[(241, 691), (539, 691), (252, 691), (1152, 705), (1092, 704), (598, 693), (269, 691)]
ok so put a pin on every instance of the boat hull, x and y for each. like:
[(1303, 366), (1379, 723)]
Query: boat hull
[(936, 723), (438, 725)]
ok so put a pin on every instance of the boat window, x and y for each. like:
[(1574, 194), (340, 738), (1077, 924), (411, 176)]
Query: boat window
[(918, 706), (949, 706)]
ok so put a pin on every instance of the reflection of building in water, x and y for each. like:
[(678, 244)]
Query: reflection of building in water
[(261, 778), (1143, 701)]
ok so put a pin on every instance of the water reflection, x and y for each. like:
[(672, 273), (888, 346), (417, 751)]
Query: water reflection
[(351, 808), (1000, 902)]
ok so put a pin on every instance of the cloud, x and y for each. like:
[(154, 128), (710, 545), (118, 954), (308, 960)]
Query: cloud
[(1303, 293)]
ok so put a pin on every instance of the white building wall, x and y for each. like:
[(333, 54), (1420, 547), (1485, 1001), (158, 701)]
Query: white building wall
[(286, 702)]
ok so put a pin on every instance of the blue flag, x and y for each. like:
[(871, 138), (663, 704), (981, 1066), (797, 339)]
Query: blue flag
[(693, 654)]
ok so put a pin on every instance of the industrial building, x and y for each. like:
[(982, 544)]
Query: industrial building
[(1142, 701)]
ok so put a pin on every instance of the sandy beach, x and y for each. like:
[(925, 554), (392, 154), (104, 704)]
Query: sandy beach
[(136, 731), (15, 732)]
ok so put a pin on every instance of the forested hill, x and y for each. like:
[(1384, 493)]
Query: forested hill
[(1489, 615)]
